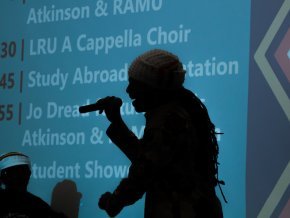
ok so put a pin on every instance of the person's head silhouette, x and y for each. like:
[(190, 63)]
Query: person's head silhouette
[(153, 77), (15, 171)]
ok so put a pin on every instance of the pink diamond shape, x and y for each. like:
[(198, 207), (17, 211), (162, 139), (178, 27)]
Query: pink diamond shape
[(281, 55), (286, 211)]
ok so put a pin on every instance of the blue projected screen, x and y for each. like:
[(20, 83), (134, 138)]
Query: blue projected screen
[(59, 55)]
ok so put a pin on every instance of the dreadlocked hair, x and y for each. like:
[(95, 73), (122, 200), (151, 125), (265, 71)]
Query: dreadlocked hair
[(208, 148)]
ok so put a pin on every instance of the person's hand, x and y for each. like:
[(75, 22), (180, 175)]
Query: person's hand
[(110, 204), (104, 200), (111, 106)]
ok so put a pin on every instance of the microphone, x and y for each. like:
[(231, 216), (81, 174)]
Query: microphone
[(101, 105), (89, 108)]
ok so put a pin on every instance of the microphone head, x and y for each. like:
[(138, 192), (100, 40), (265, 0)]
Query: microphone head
[(82, 109)]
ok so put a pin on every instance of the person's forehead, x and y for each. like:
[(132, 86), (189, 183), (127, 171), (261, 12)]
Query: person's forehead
[(18, 168)]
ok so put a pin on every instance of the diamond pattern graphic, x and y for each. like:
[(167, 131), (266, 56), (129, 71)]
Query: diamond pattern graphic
[(264, 65)]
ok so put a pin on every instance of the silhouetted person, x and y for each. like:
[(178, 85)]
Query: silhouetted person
[(15, 200), (175, 162)]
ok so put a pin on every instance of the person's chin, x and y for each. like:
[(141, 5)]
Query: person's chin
[(138, 107)]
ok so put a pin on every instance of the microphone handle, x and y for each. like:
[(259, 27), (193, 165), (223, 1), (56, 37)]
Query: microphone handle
[(89, 108), (97, 106)]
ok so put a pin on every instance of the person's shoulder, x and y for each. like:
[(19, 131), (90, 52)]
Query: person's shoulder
[(171, 116), (179, 111), (42, 207), (177, 117), (37, 201)]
